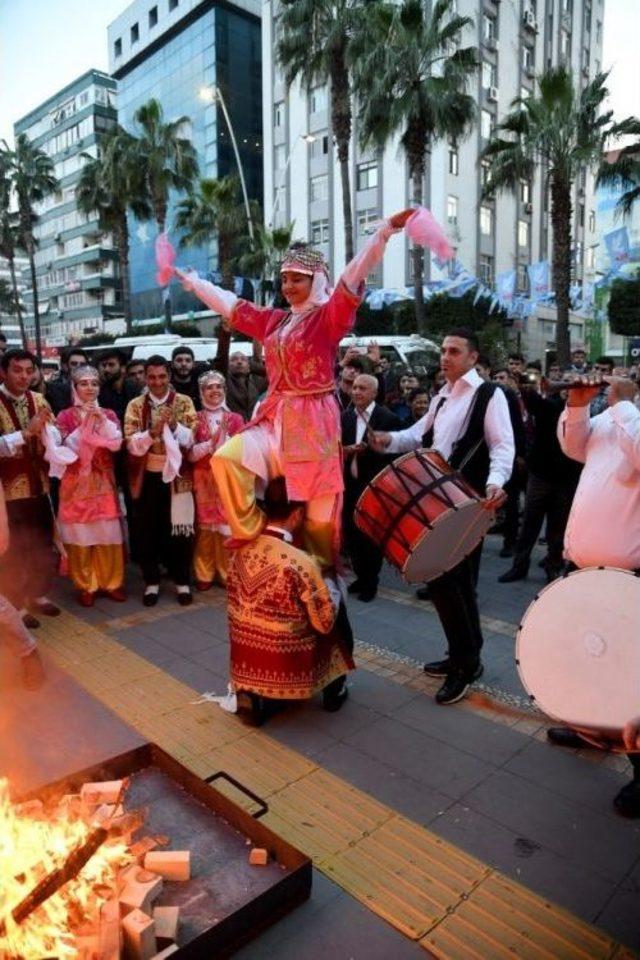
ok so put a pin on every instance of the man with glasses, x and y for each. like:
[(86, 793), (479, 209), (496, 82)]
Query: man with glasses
[(603, 367)]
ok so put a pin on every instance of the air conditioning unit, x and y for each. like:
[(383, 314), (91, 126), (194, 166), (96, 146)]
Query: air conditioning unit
[(530, 20), (528, 208), (493, 94)]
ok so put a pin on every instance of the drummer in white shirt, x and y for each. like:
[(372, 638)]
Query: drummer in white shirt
[(468, 417), (604, 523)]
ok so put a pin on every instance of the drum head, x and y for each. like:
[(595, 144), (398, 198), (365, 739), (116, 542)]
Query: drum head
[(578, 649), (452, 537)]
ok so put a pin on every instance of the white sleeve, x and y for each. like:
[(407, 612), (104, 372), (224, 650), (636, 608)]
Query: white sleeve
[(334, 592), (626, 418), (222, 301), (139, 443), (10, 443), (358, 269), (200, 450), (183, 435), (498, 434), (574, 427), (73, 439), (411, 438)]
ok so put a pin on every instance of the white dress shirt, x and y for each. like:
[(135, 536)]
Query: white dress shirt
[(362, 422), (451, 423), (604, 523)]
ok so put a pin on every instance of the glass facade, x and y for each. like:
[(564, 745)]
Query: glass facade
[(219, 48)]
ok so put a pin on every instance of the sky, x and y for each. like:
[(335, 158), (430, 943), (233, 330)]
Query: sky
[(45, 44)]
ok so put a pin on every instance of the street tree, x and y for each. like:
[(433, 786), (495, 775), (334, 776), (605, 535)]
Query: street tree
[(9, 239), (410, 80), (623, 172), (110, 185), (560, 131), (264, 260), (33, 179)]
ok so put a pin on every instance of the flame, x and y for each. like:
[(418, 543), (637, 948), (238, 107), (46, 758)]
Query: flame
[(32, 844)]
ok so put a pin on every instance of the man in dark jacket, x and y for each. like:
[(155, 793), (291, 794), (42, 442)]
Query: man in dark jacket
[(361, 464), (116, 390), (58, 390), (184, 377)]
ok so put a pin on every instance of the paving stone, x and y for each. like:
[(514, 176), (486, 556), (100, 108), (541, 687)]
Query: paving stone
[(145, 646), (196, 676), (371, 690), (620, 917), (214, 657), (178, 636)]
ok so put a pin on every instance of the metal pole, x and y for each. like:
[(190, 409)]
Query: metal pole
[(217, 94)]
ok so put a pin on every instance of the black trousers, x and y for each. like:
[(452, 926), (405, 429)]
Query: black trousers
[(454, 597), (513, 488), (28, 567), (366, 557), (544, 498), (155, 544)]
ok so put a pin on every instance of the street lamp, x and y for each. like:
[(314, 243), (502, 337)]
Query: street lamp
[(308, 138), (213, 95)]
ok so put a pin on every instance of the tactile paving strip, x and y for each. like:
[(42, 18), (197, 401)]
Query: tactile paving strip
[(455, 906)]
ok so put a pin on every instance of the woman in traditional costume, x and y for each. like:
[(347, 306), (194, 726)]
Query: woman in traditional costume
[(89, 515), (296, 431), (215, 424)]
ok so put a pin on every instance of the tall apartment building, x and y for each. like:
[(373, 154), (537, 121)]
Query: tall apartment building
[(9, 322), (178, 51), (516, 41), (76, 264)]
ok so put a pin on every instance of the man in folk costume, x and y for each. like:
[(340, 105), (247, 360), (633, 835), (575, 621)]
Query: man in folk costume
[(296, 431), (158, 429), (214, 425), (28, 567), (89, 515), (289, 632)]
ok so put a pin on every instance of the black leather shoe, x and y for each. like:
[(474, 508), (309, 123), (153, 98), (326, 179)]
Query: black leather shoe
[(368, 594), (515, 573), (185, 599), (422, 593), (30, 622), (453, 689), (354, 587), (440, 668), (150, 599), (333, 700), (506, 552), (627, 802), (565, 737)]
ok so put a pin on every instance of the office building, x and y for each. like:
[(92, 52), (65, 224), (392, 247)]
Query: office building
[(76, 264), (176, 51), (9, 322)]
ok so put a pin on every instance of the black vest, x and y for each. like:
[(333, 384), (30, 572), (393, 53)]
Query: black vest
[(476, 469)]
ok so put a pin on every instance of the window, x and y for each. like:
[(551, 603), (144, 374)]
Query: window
[(367, 175), (485, 172), (153, 17), (278, 114), (318, 99), (319, 187), (135, 33), (581, 214), (117, 47), (84, 98), (527, 58), (320, 231), (453, 161), (525, 191), (488, 27), (452, 209), (591, 258), (592, 221), (319, 146), (366, 219), (279, 159), (522, 278), (172, 5), (486, 124), (486, 220), (525, 93), (523, 233), (488, 75), (564, 43), (587, 15), (485, 269)]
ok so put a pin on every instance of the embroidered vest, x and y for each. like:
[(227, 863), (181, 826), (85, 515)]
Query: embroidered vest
[(23, 475)]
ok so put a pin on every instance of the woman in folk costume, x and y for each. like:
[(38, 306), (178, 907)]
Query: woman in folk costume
[(215, 424), (89, 515), (296, 431)]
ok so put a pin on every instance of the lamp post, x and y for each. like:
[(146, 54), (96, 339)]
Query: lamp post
[(214, 95), (308, 138)]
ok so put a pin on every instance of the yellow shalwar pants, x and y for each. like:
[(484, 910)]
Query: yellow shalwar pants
[(96, 568), (210, 556), (237, 489)]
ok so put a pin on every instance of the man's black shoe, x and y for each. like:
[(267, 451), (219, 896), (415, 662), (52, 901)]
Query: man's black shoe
[(515, 573), (422, 593), (332, 700), (565, 737), (150, 599), (506, 552), (185, 599), (368, 594), (627, 802), (440, 668), (354, 587), (453, 689)]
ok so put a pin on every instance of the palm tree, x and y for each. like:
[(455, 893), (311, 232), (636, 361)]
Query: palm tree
[(624, 170), (408, 83), (9, 236), (32, 179), (314, 40), (215, 207), (109, 185), (167, 161), (264, 260), (562, 131)]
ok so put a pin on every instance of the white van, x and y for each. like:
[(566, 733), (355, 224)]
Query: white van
[(204, 348), (414, 351)]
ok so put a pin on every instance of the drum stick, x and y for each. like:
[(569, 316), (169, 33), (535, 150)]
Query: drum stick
[(365, 420)]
